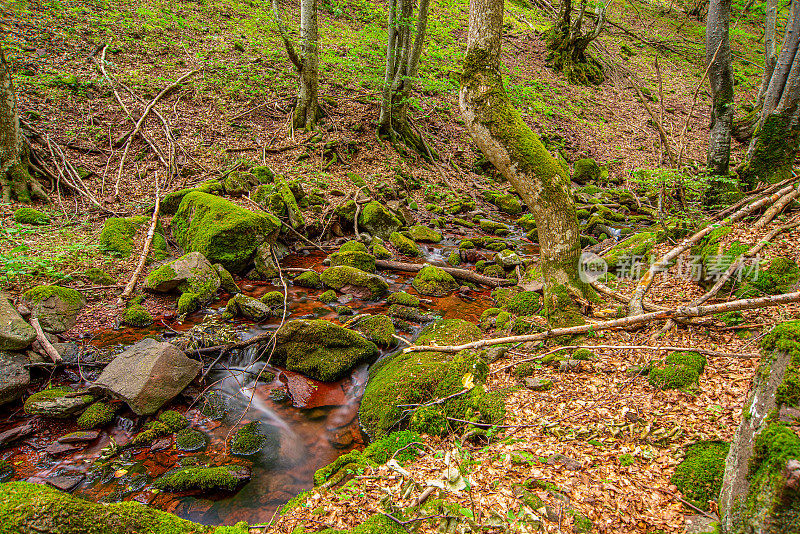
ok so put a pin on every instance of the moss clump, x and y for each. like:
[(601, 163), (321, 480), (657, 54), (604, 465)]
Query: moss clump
[(779, 276), (344, 310), (190, 440), (353, 246), (634, 249), (429, 420), (273, 299), (454, 259), (31, 216), (99, 276), (527, 369), (201, 478), (341, 276), (97, 415), (27, 507), (381, 252), (680, 369), (434, 281), (584, 355), (403, 244), (699, 475), (116, 237), (220, 230), (502, 320), (524, 303), (173, 420), (328, 296), (376, 219), (403, 298), (354, 258), (493, 227), (508, 203), (310, 279), (494, 271), (560, 309), (378, 329), (152, 430), (586, 171), (248, 440), (424, 234), (137, 315), (502, 296), (466, 245), (213, 405), (66, 295), (488, 316), (188, 303)]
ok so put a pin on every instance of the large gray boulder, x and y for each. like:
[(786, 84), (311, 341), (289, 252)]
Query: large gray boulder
[(56, 307), (14, 376), (191, 273), (15, 333), (761, 487), (148, 375)]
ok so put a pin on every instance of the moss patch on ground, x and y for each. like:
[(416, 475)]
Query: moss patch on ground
[(699, 475)]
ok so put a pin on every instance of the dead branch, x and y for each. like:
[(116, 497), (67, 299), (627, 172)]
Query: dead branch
[(48, 347), (776, 209), (680, 312), (461, 274), (765, 189), (131, 285)]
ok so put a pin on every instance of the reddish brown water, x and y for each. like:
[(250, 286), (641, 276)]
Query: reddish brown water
[(316, 426)]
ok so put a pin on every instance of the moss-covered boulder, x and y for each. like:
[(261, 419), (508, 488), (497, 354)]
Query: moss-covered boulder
[(190, 440), (28, 508), (761, 485), (97, 415), (505, 202), (586, 171), (116, 237), (421, 377), (493, 227), (327, 297), (273, 299), (320, 349), (243, 306), (355, 281), (354, 258), (376, 219), (309, 279), (191, 273), (222, 231), (56, 307), (699, 475), (31, 216), (377, 328), (171, 202), (679, 370), (434, 282), (58, 402), (403, 298), (226, 478), (15, 333), (404, 245), (525, 303), (226, 281), (423, 234), (136, 315)]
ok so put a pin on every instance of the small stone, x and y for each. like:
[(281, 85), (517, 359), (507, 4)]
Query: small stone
[(569, 365), (66, 483), (565, 461), (82, 436), (161, 444), (538, 384), (341, 439), (495, 353)]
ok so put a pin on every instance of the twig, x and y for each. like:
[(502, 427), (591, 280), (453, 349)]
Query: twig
[(48, 347), (145, 249), (462, 274)]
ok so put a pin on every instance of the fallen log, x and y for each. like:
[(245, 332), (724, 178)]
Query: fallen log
[(461, 274), (680, 312)]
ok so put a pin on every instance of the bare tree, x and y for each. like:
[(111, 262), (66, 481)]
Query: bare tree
[(720, 78), (516, 151), (774, 144), (15, 180), (403, 50), (568, 43), (307, 111)]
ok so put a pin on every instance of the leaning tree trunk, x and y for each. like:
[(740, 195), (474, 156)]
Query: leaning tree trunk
[(774, 145), (720, 77), (15, 180), (516, 151)]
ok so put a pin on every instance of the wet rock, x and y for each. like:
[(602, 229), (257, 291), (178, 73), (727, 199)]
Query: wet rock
[(434, 282), (408, 313), (70, 351), (341, 439), (226, 478), (81, 436), (148, 374), (565, 461), (507, 259), (58, 402), (355, 282), (191, 273), (15, 333), (265, 262), (376, 219), (320, 349), (66, 483), (307, 393), (537, 384), (14, 377), (13, 434), (243, 306), (424, 234), (56, 307), (161, 444), (57, 449)]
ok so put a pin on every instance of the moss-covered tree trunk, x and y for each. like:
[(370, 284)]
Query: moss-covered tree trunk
[(774, 145), (15, 180), (568, 45), (720, 77), (516, 151)]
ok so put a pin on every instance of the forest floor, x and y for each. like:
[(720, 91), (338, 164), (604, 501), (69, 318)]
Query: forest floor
[(234, 111)]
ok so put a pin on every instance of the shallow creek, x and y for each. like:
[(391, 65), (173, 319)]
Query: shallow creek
[(318, 423)]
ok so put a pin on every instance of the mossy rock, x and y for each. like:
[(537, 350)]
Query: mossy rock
[(434, 282), (376, 219), (494, 271), (381, 252), (171, 202), (116, 237), (27, 507), (779, 275), (137, 315), (224, 478), (508, 203), (328, 296), (423, 234), (99, 276), (353, 246), (403, 298), (379, 329), (524, 303), (635, 248), (273, 299), (190, 440), (97, 415), (243, 306), (320, 349), (309, 279), (679, 370), (189, 303), (354, 258), (436, 375), (355, 281), (222, 231), (404, 245), (226, 281), (58, 402), (249, 440), (586, 171), (493, 227), (699, 475), (31, 216), (56, 307)]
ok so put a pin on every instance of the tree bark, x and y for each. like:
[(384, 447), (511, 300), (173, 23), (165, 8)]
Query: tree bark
[(307, 110), (516, 151), (720, 77), (15, 180), (567, 44)]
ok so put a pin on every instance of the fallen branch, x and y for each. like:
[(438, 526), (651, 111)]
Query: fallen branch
[(766, 189), (776, 209), (461, 274), (264, 336), (681, 312), (131, 285), (48, 347)]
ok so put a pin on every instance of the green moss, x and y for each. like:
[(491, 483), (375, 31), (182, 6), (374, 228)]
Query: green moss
[(226, 281), (494, 271), (6, 470), (524, 303), (382, 450), (466, 244), (137, 315), (699, 475), (273, 299), (584, 355), (116, 237), (354, 258), (52, 394), (779, 276), (200, 478), (454, 259), (220, 230), (424, 234), (493, 227), (380, 252), (152, 431), (69, 296), (404, 245), (97, 415), (774, 152), (27, 507), (310, 279), (188, 303), (99, 276), (173, 420), (403, 298), (376, 219), (785, 337), (586, 171), (502, 320), (429, 420), (434, 281), (378, 329), (341, 276), (328, 296), (560, 309), (31, 216), (344, 310), (248, 440), (502, 296), (580, 523), (635, 248), (344, 465), (679, 370), (487, 316), (190, 440), (353, 246), (508, 203)]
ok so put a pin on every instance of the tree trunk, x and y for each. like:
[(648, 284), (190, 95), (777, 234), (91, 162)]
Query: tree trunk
[(307, 110), (774, 145), (15, 180), (720, 77), (568, 44), (516, 151)]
